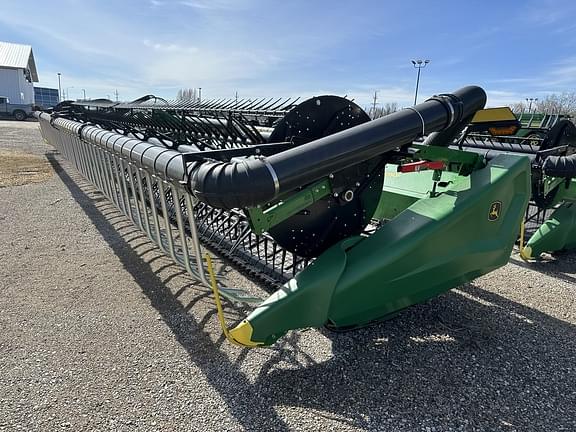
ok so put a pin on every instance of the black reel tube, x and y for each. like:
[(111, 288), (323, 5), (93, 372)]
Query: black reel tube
[(258, 180)]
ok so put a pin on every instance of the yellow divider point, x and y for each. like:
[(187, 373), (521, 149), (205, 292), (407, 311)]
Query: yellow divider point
[(219, 309), (525, 252)]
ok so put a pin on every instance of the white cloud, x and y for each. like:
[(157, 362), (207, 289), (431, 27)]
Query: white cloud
[(212, 4), (170, 47)]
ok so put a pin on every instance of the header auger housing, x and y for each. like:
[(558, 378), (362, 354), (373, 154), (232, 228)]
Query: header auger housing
[(351, 220)]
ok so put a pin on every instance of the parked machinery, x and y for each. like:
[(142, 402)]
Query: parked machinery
[(549, 141), (353, 220)]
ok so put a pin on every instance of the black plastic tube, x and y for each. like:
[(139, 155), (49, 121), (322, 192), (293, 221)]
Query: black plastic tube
[(257, 180), (560, 166)]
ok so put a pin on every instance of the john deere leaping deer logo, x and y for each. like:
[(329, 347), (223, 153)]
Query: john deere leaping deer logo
[(495, 209)]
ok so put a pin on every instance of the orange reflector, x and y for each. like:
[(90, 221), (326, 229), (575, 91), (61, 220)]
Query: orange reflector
[(503, 130)]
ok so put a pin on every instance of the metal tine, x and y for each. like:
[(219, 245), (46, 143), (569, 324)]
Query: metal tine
[(236, 104), (182, 232), (281, 105), (187, 104), (78, 155), (100, 169), (252, 133), (272, 102), (226, 105), (107, 190), (215, 132), (194, 104), (113, 185), (110, 162), (154, 210), (134, 194), (256, 105), (232, 131), (195, 240), (112, 190), (241, 239), (253, 103), (211, 219), (72, 153), (284, 104), (119, 182), (199, 138), (201, 126), (97, 169), (89, 170), (217, 227), (213, 105), (167, 225), (220, 138), (125, 187), (200, 123), (243, 104), (191, 124), (228, 231)]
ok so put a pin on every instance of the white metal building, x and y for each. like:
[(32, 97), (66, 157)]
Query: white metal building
[(17, 73)]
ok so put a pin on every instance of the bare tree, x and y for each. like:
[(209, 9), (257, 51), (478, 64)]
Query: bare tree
[(563, 103), (188, 94), (518, 107), (387, 108)]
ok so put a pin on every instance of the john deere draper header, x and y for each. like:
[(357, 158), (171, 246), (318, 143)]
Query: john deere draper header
[(351, 220)]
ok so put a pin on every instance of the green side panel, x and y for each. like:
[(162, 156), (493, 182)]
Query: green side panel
[(400, 191), (557, 233), (303, 301), (566, 192), (262, 220), (434, 245)]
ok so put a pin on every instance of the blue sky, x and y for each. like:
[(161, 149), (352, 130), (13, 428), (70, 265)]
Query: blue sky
[(514, 49)]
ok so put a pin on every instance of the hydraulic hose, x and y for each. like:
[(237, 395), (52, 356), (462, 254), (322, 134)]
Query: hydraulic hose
[(563, 133), (257, 180)]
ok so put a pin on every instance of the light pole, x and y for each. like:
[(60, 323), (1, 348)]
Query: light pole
[(200, 94), (84, 93), (67, 92), (59, 88), (530, 100), (418, 64)]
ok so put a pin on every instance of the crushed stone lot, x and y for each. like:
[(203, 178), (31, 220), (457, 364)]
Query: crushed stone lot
[(100, 332)]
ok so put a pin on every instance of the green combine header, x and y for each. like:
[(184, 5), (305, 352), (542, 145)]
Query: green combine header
[(350, 221)]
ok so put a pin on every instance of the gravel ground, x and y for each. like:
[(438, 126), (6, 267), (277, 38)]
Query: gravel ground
[(101, 332)]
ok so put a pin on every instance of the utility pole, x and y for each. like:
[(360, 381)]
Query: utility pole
[(418, 64), (530, 100), (374, 105), (59, 88), (116, 93)]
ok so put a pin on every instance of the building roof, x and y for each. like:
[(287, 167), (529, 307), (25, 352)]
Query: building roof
[(19, 57)]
